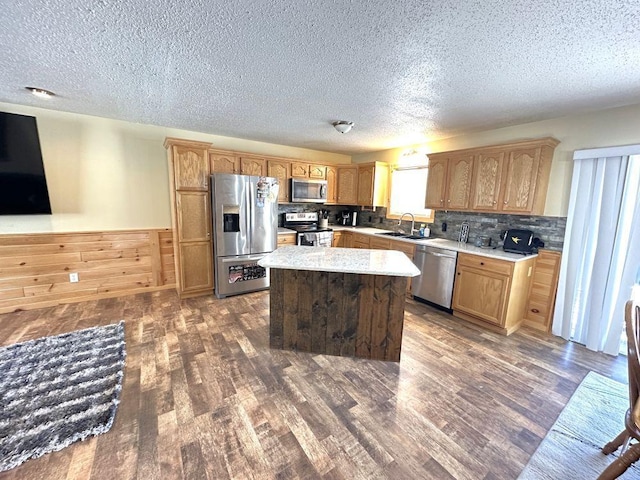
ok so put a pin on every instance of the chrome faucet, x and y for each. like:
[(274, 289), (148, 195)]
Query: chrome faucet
[(413, 222)]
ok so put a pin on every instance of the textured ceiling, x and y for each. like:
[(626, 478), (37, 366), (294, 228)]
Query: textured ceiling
[(281, 71)]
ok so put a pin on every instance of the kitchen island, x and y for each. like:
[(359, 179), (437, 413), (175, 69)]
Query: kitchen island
[(338, 301)]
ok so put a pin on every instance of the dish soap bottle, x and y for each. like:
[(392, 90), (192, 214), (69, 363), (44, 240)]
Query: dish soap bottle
[(422, 227)]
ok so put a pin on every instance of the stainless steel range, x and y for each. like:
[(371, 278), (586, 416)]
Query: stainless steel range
[(309, 232)]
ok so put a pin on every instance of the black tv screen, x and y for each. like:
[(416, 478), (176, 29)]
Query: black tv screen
[(23, 186)]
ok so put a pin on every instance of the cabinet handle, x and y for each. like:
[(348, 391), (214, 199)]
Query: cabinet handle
[(458, 273), (481, 263), (506, 201), (535, 310), (494, 202), (448, 201)]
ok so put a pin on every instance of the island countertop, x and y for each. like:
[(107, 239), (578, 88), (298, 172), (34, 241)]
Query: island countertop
[(341, 260)]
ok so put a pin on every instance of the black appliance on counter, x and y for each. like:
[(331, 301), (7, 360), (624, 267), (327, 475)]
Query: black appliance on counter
[(519, 241), (348, 218), (309, 232)]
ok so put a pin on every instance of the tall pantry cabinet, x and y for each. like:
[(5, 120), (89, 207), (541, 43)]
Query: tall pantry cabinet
[(190, 204)]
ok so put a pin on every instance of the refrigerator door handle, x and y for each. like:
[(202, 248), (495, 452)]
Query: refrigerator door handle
[(244, 258)]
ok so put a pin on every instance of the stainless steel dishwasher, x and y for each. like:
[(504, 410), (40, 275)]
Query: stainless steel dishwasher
[(437, 273)]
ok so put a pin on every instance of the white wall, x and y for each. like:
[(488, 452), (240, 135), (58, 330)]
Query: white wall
[(107, 174), (618, 126)]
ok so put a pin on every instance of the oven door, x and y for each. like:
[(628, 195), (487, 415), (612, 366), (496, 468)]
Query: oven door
[(315, 239)]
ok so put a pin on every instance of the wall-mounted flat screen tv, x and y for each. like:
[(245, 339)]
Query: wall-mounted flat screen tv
[(23, 186)]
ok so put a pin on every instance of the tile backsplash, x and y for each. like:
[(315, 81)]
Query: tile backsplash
[(549, 229)]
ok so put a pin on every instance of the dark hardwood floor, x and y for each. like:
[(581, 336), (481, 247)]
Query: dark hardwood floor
[(205, 397)]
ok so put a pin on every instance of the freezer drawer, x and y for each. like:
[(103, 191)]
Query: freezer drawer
[(437, 273), (240, 274)]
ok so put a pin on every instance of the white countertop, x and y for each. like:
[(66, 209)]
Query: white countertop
[(341, 260), (485, 252), (441, 243)]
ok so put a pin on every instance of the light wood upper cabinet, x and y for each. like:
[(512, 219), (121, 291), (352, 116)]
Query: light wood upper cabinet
[(332, 185), (487, 174), (449, 182), (520, 179), (318, 172), (459, 175), (224, 163), (304, 170), (253, 166), (437, 183), (373, 182), (510, 178), (299, 170), (348, 185), (280, 169), (191, 169)]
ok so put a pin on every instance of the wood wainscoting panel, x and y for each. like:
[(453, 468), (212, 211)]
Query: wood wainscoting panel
[(35, 268)]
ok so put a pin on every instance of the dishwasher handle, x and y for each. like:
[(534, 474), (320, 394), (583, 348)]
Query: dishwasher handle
[(437, 254)]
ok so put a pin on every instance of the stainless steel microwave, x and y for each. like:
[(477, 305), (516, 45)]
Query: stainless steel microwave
[(308, 191)]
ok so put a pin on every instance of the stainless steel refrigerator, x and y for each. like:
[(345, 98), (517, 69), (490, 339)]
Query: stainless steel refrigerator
[(245, 228)]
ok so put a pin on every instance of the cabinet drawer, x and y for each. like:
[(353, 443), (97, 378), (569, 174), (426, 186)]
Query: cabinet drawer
[(404, 247), (379, 243), (287, 239), (485, 263)]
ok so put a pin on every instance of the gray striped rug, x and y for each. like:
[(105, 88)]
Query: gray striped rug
[(571, 449), (57, 390)]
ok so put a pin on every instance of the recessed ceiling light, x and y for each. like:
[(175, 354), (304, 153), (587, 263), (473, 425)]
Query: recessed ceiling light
[(41, 92)]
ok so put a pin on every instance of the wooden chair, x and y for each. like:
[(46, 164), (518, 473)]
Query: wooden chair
[(630, 452)]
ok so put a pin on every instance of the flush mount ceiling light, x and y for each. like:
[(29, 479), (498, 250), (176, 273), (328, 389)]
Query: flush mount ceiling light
[(342, 126), (41, 92)]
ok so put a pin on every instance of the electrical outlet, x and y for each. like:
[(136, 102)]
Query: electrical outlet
[(73, 277)]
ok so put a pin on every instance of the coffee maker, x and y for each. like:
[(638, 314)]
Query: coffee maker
[(348, 218)]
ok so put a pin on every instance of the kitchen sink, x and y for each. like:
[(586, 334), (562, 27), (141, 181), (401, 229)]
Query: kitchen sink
[(401, 235)]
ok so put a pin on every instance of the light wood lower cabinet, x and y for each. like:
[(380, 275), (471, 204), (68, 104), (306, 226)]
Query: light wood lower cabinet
[(342, 239), (542, 293), (286, 239), (361, 240), (196, 272), (492, 292)]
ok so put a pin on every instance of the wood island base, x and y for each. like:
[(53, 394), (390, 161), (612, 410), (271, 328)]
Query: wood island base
[(345, 314)]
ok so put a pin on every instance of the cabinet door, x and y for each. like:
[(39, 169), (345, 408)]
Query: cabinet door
[(436, 184), (196, 270), (366, 177), (317, 172), (488, 169), (459, 175), (520, 178), (360, 240), (346, 240), (542, 292), (481, 293), (194, 219), (332, 185), (224, 163), (253, 166), (380, 243), (281, 170), (299, 170), (191, 168), (348, 185)]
